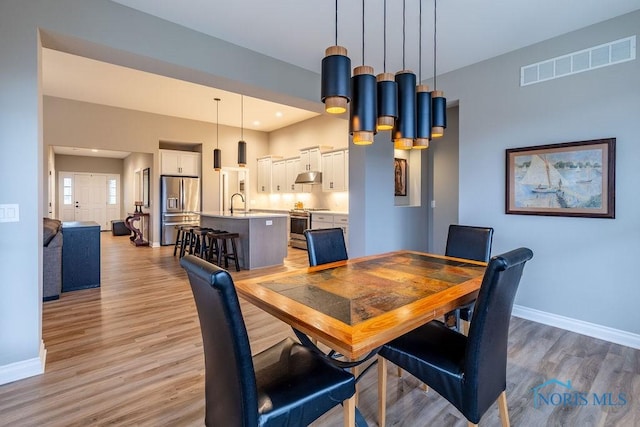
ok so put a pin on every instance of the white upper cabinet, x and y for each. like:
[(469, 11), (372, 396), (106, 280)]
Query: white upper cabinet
[(184, 163), (310, 159), (334, 171), (292, 168), (264, 175), (278, 174)]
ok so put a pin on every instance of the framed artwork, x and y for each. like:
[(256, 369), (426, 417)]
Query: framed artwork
[(568, 179), (146, 183), (400, 176)]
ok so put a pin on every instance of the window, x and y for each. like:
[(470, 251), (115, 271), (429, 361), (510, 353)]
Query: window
[(67, 188), (112, 191)]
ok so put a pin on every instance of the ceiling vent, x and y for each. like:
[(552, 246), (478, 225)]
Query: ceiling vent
[(611, 53)]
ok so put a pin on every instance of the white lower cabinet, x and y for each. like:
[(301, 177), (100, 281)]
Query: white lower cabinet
[(323, 220)]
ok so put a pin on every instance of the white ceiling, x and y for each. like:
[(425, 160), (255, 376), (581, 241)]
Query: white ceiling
[(298, 32), (83, 79)]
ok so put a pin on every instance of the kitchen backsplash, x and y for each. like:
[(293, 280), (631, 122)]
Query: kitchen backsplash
[(335, 201)]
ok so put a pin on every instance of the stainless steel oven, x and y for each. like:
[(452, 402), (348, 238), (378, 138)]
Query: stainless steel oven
[(300, 220)]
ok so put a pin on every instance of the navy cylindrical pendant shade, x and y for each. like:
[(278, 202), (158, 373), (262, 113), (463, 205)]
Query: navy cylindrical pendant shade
[(438, 113), (217, 159), (404, 130), (242, 154), (363, 113), (387, 101), (423, 117), (336, 72)]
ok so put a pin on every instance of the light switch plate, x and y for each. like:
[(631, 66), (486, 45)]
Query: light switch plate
[(9, 213)]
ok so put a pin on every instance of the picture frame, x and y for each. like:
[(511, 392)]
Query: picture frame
[(146, 184), (400, 176), (574, 179)]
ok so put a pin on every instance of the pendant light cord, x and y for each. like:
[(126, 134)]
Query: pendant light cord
[(435, 32), (336, 22), (363, 32), (404, 14), (384, 36), (242, 117), (420, 45)]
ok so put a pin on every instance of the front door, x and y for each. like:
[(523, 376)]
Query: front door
[(89, 197)]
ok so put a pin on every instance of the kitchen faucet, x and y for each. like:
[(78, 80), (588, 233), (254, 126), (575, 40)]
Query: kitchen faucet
[(241, 197)]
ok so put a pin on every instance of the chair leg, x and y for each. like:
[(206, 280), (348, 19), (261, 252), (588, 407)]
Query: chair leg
[(399, 371), (464, 327), (382, 391), (349, 406), (235, 253), (504, 410), (356, 370), (470, 424)]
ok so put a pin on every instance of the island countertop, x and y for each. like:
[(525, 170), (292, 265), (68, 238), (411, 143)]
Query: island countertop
[(242, 215)]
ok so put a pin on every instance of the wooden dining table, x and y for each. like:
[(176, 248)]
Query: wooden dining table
[(356, 306)]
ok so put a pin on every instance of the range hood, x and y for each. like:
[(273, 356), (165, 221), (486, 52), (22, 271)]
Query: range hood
[(311, 177)]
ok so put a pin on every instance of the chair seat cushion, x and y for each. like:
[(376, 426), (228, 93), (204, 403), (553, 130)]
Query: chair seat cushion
[(434, 354), (287, 372)]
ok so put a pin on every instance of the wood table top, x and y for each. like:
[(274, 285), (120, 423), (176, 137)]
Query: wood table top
[(358, 305)]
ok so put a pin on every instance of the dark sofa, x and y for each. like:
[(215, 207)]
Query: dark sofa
[(51, 259)]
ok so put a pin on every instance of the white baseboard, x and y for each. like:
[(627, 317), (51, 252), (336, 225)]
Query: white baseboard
[(25, 368), (585, 328)]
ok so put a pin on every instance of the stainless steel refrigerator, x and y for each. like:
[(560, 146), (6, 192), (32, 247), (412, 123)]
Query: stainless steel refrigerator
[(180, 198)]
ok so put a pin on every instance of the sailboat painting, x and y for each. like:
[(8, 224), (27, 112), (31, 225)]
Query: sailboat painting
[(568, 179)]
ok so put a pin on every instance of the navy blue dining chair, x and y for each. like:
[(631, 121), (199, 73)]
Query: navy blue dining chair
[(469, 371), (469, 242), (286, 385), (325, 245)]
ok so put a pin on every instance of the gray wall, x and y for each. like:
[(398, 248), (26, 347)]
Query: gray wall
[(582, 268), (376, 224), (444, 174)]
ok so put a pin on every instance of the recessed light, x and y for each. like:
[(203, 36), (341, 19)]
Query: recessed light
[(256, 123), (93, 150), (278, 114)]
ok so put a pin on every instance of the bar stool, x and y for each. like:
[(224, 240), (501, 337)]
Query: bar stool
[(223, 252), (199, 245), (179, 239), (187, 239), (212, 245)]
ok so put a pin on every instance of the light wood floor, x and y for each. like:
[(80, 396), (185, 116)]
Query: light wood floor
[(130, 353)]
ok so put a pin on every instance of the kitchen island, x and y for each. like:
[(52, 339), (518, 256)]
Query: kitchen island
[(263, 236)]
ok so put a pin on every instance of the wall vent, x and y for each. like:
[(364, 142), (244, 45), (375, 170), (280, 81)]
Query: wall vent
[(611, 53)]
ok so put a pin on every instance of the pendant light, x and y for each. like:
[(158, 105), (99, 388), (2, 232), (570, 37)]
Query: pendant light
[(404, 131), (438, 101), (336, 69), (423, 101), (362, 123), (217, 154), (387, 89), (242, 145)]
